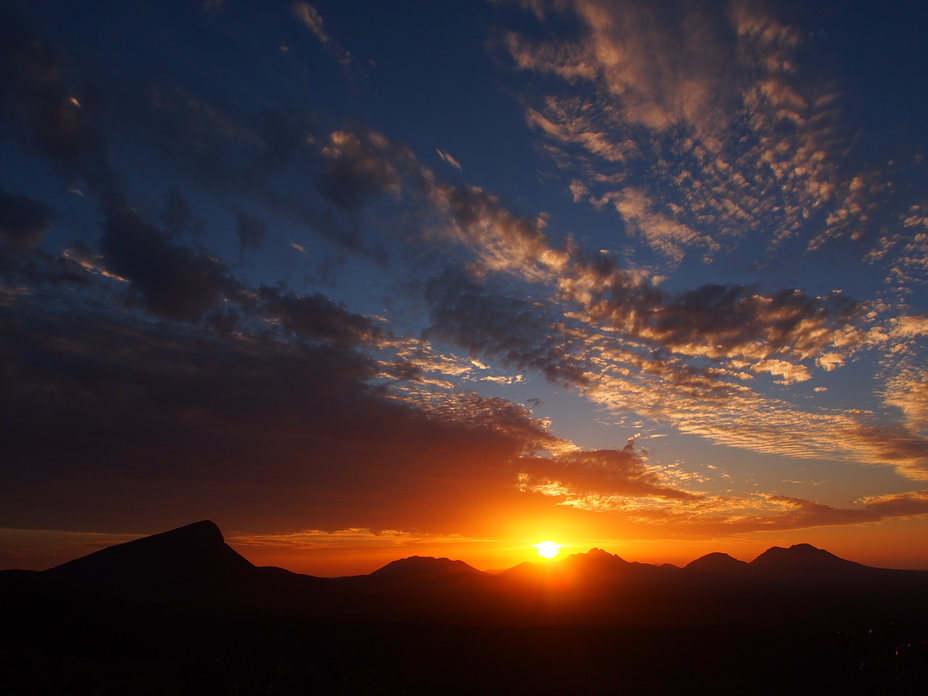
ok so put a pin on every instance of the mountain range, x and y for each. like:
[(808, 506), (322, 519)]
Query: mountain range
[(182, 612), (192, 567)]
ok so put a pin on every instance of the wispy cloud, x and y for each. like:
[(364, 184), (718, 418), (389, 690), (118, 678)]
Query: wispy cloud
[(700, 127), (311, 18), (445, 157)]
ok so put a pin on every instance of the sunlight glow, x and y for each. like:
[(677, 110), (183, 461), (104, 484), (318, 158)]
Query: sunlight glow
[(547, 549)]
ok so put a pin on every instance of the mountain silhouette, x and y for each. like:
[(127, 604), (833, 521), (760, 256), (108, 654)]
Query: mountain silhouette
[(597, 561), (192, 567), (589, 565), (191, 615), (717, 564), (424, 567), (189, 566), (805, 563), (198, 548)]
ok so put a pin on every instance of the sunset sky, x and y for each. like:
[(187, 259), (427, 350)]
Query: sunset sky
[(359, 279)]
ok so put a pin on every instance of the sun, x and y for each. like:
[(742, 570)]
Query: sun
[(547, 549)]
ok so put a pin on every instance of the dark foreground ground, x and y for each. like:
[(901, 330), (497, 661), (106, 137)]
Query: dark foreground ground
[(57, 641)]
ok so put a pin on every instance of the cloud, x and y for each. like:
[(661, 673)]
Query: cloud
[(313, 21), (317, 317), (713, 515), (621, 341), (660, 231), (717, 321), (501, 240), (311, 18), (24, 221), (798, 513), (700, 126), (893, 445), (788, 371), (360, 165), (35, 270), (632, 347), (579, 477), (149, 417), (521, 333), (907, 390), (449, 159), (173, 281), (139, 360)]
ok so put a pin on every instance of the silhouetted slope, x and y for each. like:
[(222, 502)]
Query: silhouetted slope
[(805, 563), (797, 621), (194, 567), (592, 565), (595, 567), (197, 546), (424, 567), (596, 560), (191, 566), (717, 564)]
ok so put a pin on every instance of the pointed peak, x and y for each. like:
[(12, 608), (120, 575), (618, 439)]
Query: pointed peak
[(597, 552), (193, 548), (204, 530), (596, 558)]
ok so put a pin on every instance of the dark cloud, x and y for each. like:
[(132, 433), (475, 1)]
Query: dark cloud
[(895, 446), (718, 320), (37, 269), (173, 281), (317, 317), (405, 371), (734, 315), (360, 165), (24, 221), (799, 513), (104, 424), (522, 333)]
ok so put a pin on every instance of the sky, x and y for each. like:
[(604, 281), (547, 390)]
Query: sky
[(359, 280)]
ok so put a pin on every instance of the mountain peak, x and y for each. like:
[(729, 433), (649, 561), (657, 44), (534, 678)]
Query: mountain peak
[(599, 554), (716, 563), (596, 562), (202, 533), (802, 560), (204, 528), (192, 542), (425, 566), (181, 559)]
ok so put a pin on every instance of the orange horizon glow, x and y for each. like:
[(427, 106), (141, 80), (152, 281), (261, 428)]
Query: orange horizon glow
[(359, 552), (865, 545)]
